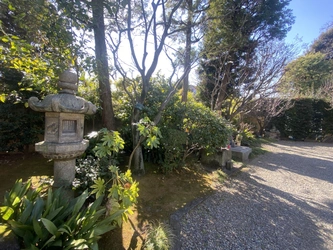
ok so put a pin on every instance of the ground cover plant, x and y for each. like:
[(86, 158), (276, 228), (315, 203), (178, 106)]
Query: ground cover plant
[(45, 223)]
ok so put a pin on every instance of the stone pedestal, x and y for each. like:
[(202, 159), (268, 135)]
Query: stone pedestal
[(64, 172), (219, 159), (241, 153)]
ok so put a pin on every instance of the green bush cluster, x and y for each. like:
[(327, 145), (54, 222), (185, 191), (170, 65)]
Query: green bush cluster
[(47, 220), (186, 129), (98, 173), (307, 119)]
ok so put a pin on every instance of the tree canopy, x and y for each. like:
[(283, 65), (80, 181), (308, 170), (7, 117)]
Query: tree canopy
[(235, 30), (35, 46), (324, 43), (307, 74)]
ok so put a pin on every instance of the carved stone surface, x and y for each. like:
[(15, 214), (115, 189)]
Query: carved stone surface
[(64, 125), (65, 101), (61, 151), (62, 103)]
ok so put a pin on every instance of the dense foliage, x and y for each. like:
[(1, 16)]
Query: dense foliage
[(307, 119), (45, 220), (98, 173), (35, 42), (34, 47), (19, 126), (191, 123), (55, 222), (307, 74), (235, 30), (324, 43)]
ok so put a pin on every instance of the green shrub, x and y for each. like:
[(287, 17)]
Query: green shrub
[(206, 130), (246, 134), (308, 118), (88, 169), (186, 128), (46, 221), (102, 153), (159, 237), (121, 195), (19, 126), (97, 173)]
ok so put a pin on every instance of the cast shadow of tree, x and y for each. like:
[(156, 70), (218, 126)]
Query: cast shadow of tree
[(308, 165), (247, 212)]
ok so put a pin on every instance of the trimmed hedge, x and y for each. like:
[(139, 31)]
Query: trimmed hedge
[(307, 119)]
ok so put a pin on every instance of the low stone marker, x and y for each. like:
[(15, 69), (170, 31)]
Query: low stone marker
[(222, 158), (241, 153)]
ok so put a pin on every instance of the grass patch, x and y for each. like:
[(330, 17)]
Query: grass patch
[(256, 151), (256, 146), (219, 176), (22, 166), (159, 236), (159, 196)]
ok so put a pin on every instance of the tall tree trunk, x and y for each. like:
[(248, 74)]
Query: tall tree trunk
[(138, 164), (187, 62), (222, 94), (108, 119)]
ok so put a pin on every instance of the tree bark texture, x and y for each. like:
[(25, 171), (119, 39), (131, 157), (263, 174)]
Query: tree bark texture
[(108, 119), (187, 62), (138, 163), (222, 94)]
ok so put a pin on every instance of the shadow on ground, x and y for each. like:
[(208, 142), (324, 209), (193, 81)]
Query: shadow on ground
[(250, 215)]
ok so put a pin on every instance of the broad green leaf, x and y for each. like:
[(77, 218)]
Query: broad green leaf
[(28, 237), (18, 228), (2, 97), (94, 206), (113, 192), (5, 39), (57, 243), (37, 228), (26, 212), (6, 212), (98, 187), (16, 201), (80, 201), (79, 243), (32, 247), (49, 241), (65, 229), (54, 213), (49, 226), (38, 208), (11, 7)]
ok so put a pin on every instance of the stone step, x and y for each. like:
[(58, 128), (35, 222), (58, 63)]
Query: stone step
[(241, 153)]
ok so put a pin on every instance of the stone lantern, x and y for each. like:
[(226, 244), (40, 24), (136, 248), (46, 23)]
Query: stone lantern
[(64, 123)]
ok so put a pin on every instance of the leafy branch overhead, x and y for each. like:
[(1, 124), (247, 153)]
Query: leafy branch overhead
[(150, 132)]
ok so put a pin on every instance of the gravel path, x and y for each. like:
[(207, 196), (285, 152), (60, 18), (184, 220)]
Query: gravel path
[(283, 200)]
